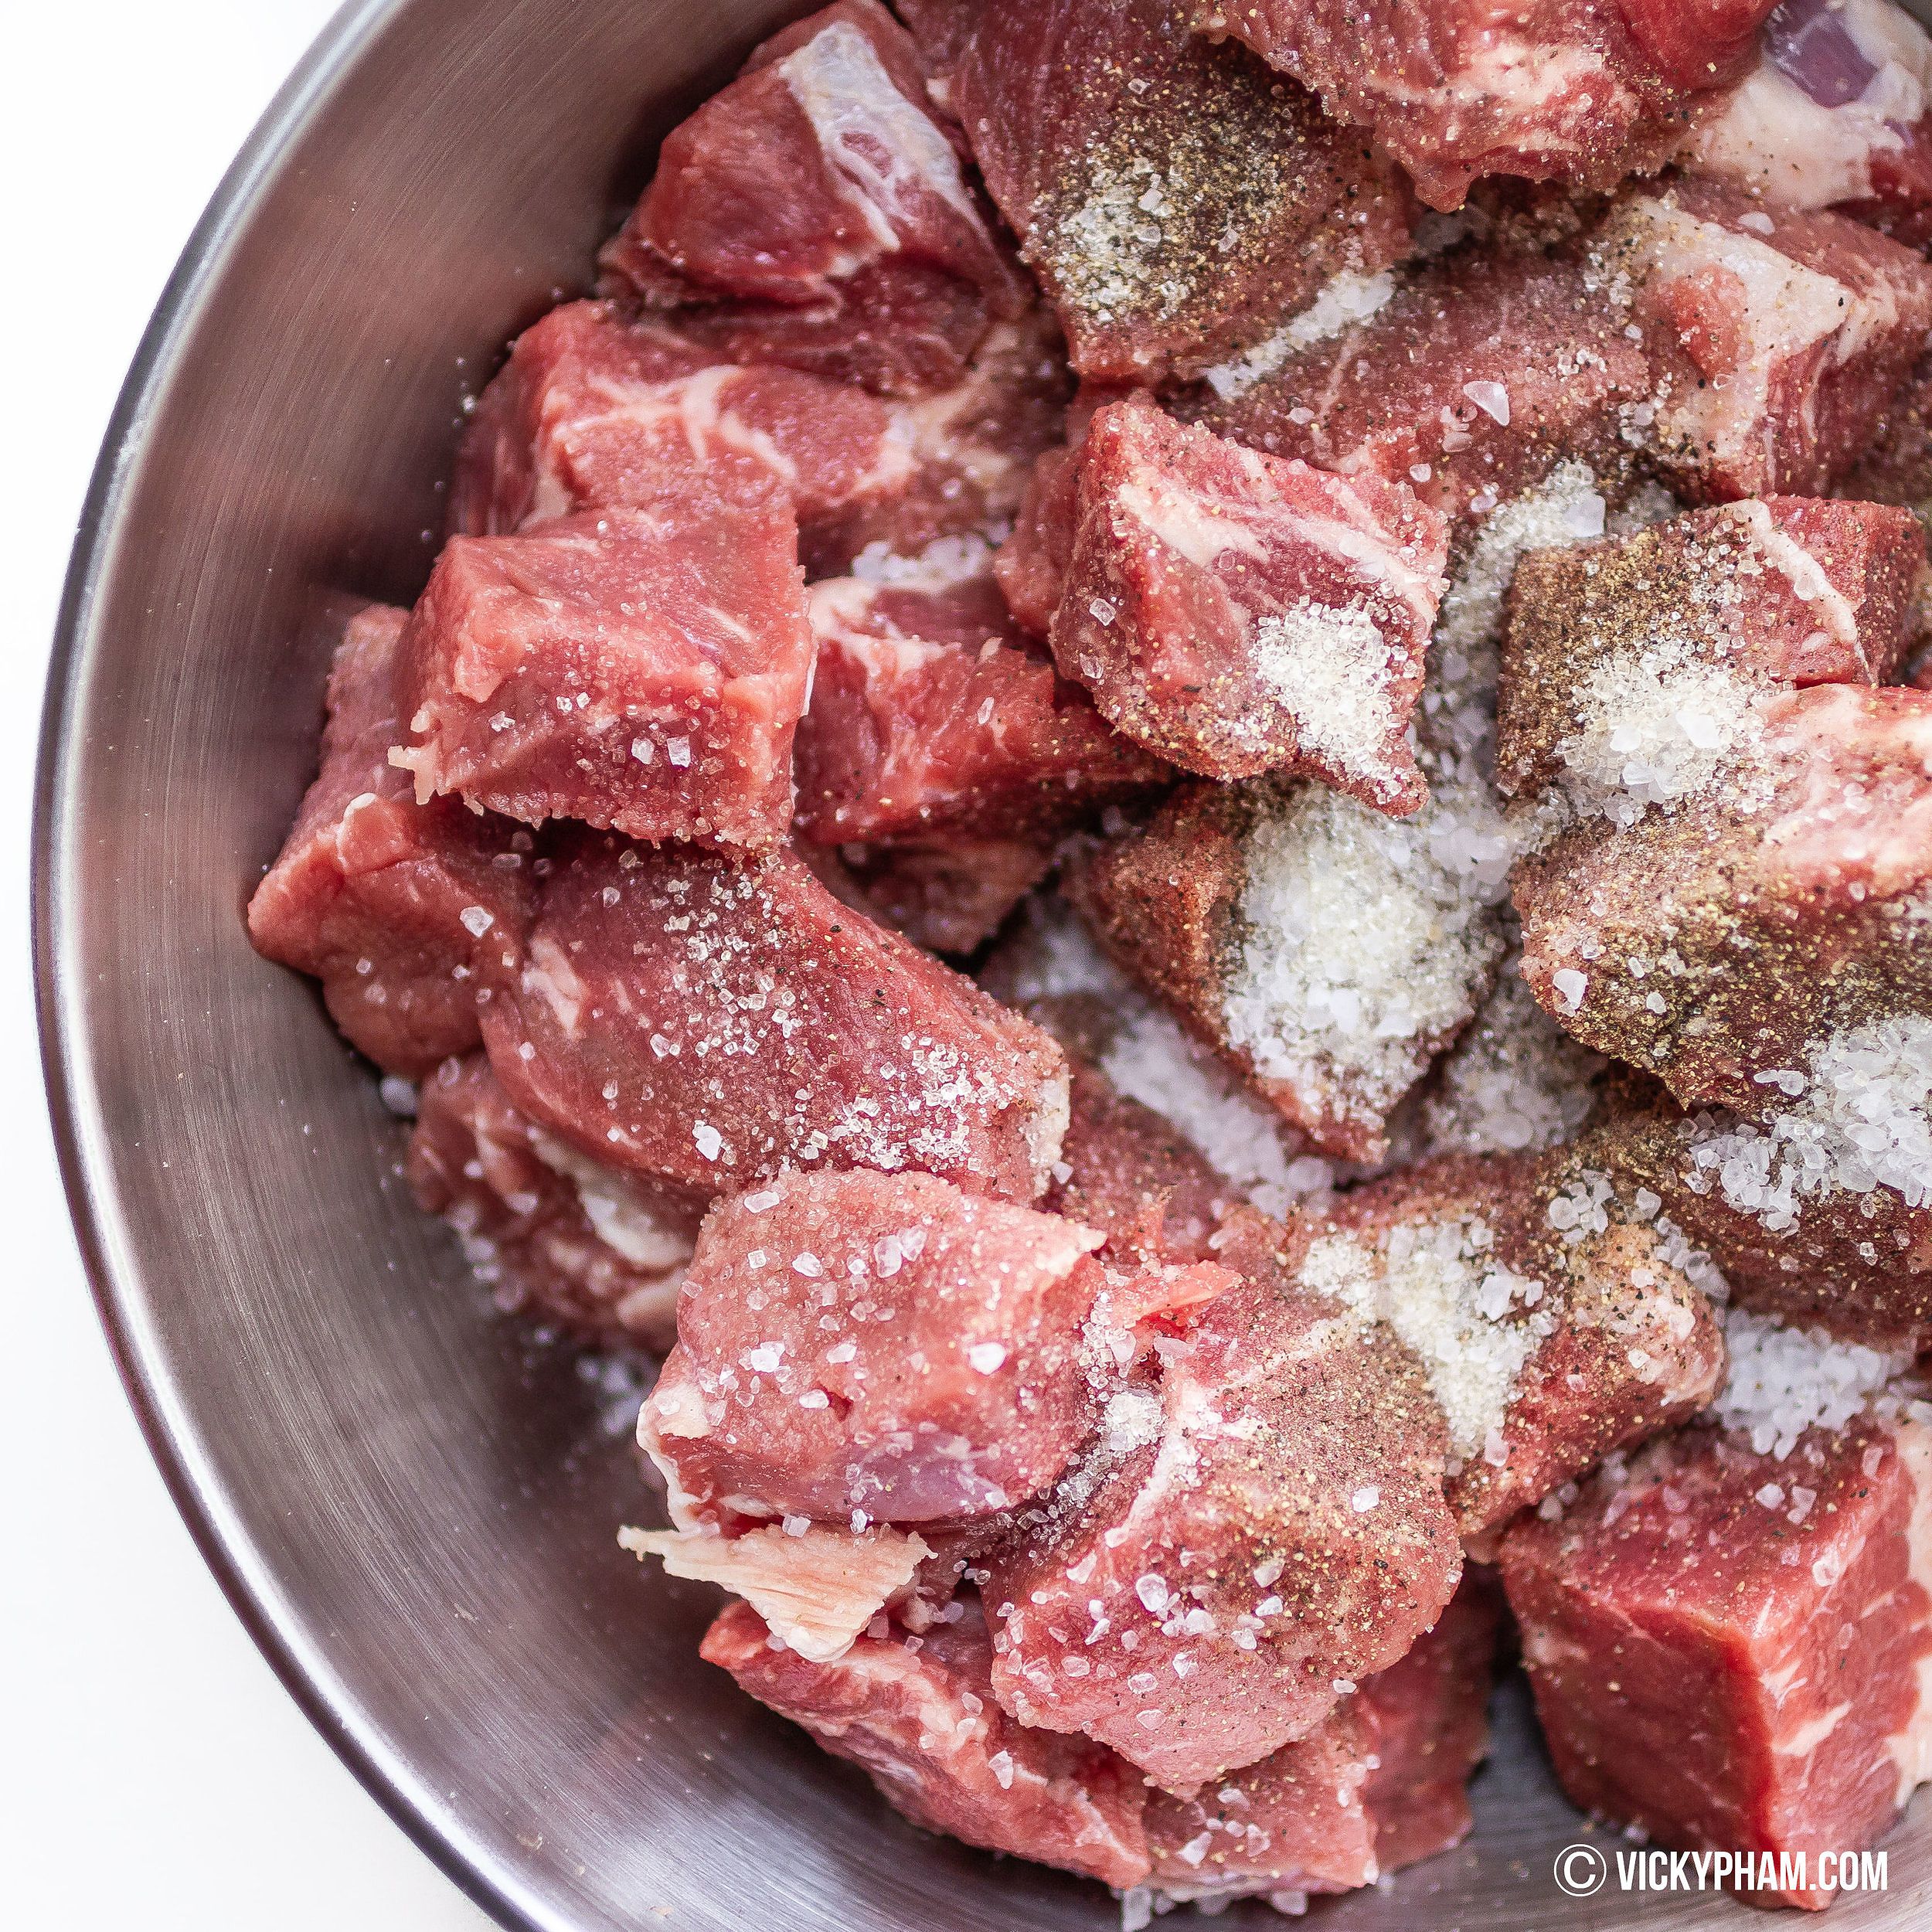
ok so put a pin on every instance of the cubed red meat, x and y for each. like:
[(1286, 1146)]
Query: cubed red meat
[(558, 1236), (1550, 1314), (1239, 613), (1628, 660), (1728, 1645), (873, 1347), (1834, 115), (918, 1714), (1758, 937), (1567, 90), (1789, 1240), (1778, 337), (1269, 1523), (932, 713), (707, 1025), (1329, 952), (816, 212), (402, 910), (1469, 383), (1380, 1783), (640, 670), (598, 410), (1177, 200)]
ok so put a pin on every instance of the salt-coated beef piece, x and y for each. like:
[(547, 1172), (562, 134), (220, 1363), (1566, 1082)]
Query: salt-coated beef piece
[(1267, 1523), (641, 670), (598, 409), (1177, 201), (1239, 613), (1380, 1782), (559, 1237), (1470, 382), (1834, 114), (1554, 1319), (816, 212), (1789, 1239), (1625, 657), (1330, 953), (949, 893), (919, 1715), (933, 712), (1776, 337), (403, 911), (873, 1347), (1759, 939), (706, 1026), (1729, 1645), (1573, 91)]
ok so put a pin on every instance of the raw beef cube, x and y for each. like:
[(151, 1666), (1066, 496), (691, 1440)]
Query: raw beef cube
[(1565, 90), (707, 1025), (820, 201), (1031, 565), (1241, 614), (1546, 1311), (931, 712), (1515, 1082), (643, 670), (1778, 339), (1788, 1235), (598, 410), (877, 1347), (1269, 1523), (972, 447), (1834, 115), (1633, 661), (558, 1235), (1377, 1785), (1896, 466), (1168, 1097), (1741, 939), (402, 910), (1470, 383), (950, 894), (1729, 1639), (1176, 200), (1329, 952), (918, 1714)]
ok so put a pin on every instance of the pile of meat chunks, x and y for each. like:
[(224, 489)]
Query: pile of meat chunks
[(1358, 564)]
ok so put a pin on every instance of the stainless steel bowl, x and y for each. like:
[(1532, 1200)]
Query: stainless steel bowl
[(411, 1507)]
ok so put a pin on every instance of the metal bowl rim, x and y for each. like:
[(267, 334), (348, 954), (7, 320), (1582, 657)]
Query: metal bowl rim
[(72, 1097)]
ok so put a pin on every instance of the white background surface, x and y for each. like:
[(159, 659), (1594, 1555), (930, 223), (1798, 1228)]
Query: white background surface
[(153, 1775)]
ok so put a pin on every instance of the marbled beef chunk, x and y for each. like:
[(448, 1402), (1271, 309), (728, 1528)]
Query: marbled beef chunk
[(873, 1347), (816, 212), (1267, 1523), (1177, 200), (1239, 613), (643, 670), (1573, 91), (403, 910), (706, 1025), (1729, 1636)]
